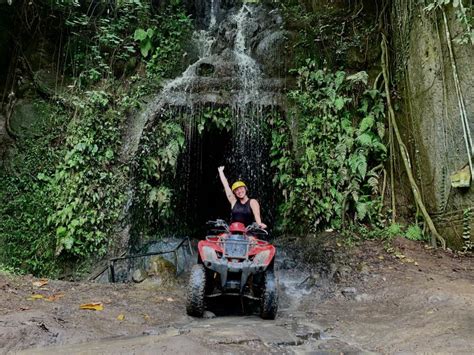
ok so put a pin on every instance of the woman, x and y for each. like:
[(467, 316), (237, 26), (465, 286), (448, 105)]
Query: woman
[(244, 209)]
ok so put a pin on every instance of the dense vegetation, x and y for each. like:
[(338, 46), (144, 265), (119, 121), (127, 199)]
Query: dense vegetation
[(65, 187), (332, 165)]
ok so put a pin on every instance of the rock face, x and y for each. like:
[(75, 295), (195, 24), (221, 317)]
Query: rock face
[(431, 119), (238, 58)]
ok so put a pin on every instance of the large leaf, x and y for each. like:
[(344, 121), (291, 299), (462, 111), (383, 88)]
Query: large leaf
[(140, 34), (365, 139), (145, 48), (362, 209), (361, 76), (366, 124)]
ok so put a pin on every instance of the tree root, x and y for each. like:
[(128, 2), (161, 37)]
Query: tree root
[(435, 236)]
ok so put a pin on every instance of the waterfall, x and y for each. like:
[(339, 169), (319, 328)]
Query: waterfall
[(224, 73), (247, 134), (249, 71), (213, 15)]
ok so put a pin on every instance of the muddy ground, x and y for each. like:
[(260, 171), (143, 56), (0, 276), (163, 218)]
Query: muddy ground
[(410, 299)]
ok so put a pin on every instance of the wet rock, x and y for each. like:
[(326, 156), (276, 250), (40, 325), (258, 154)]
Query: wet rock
[(270, 52), (26, 118), (205, 69), (437, 298), (139, 275), (364, 297), (349, 292), (208, 315), (306, 333)]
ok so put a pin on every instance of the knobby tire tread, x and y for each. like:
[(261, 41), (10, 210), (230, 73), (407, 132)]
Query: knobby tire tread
[(195, 298)]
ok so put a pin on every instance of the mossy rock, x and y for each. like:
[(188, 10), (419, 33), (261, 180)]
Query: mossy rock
[(25, 118), (158, 265), (29, 117)]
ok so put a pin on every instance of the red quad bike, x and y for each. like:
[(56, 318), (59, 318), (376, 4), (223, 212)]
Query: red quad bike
[(234, 262)]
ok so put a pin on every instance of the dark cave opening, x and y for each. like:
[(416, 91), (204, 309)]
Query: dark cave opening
[(201, 196)]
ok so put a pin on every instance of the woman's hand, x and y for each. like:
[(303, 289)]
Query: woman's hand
[(220, 169), (262, 225)]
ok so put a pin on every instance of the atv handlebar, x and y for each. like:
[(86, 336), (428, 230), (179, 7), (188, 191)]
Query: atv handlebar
[(254, 227), (221, 225)]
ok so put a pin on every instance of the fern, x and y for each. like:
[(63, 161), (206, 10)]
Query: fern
[(366, 124)]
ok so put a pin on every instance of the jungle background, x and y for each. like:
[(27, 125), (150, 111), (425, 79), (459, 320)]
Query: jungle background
[(371, 135)]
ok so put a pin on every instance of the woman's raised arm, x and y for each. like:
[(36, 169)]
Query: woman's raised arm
[(228, 192)]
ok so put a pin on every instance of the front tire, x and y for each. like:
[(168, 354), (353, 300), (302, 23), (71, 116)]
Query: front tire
[(196, 290), (269, 297)]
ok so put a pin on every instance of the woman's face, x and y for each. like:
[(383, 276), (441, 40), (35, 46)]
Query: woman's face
[(240, 192)]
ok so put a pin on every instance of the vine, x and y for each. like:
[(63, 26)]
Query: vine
[(464, 16)]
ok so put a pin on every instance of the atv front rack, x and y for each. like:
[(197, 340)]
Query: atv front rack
[(235, 248)]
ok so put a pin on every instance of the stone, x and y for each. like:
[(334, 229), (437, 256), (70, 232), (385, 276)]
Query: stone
[(208, 315), (306, 333), (158, 265), (349, 292), (364, 297), (461, 178), (139, 275)]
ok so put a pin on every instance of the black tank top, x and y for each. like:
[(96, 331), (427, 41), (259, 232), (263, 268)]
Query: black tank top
[(242, 212)]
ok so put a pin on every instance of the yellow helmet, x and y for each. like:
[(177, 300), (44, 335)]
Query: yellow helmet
[(238, 184)]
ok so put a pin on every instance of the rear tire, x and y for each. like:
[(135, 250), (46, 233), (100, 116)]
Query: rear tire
[(269, 297), (196, 290)]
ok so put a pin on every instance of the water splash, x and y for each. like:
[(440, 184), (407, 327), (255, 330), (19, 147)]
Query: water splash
[(249, 71), (212, 23)]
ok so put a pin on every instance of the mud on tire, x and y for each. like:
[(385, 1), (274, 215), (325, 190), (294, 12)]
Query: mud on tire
[(196, 290), (269, 297)]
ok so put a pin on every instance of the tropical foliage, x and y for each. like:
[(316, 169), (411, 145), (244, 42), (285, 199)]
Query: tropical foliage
[(328, 152), (65, 197)]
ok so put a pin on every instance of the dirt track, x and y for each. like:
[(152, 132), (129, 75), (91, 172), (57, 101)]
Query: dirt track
[(422, 301)]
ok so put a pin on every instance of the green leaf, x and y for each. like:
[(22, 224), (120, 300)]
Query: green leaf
[(366, 124), (362, 167), (339, 103), (381, 130), (414, 232), (361, 76), (61, 232), (109, 154), (365, 139), (362, 209), (150, 32), (140, 34), (68, 242), (145, 48)]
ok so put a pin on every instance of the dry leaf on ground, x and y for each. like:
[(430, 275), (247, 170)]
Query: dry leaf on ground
[(35, 297), (93, 306), (120, 317), (40, 282), (54, 297)]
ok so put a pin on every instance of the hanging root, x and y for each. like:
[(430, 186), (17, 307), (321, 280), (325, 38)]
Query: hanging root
[(435, 236), (460, 98)]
